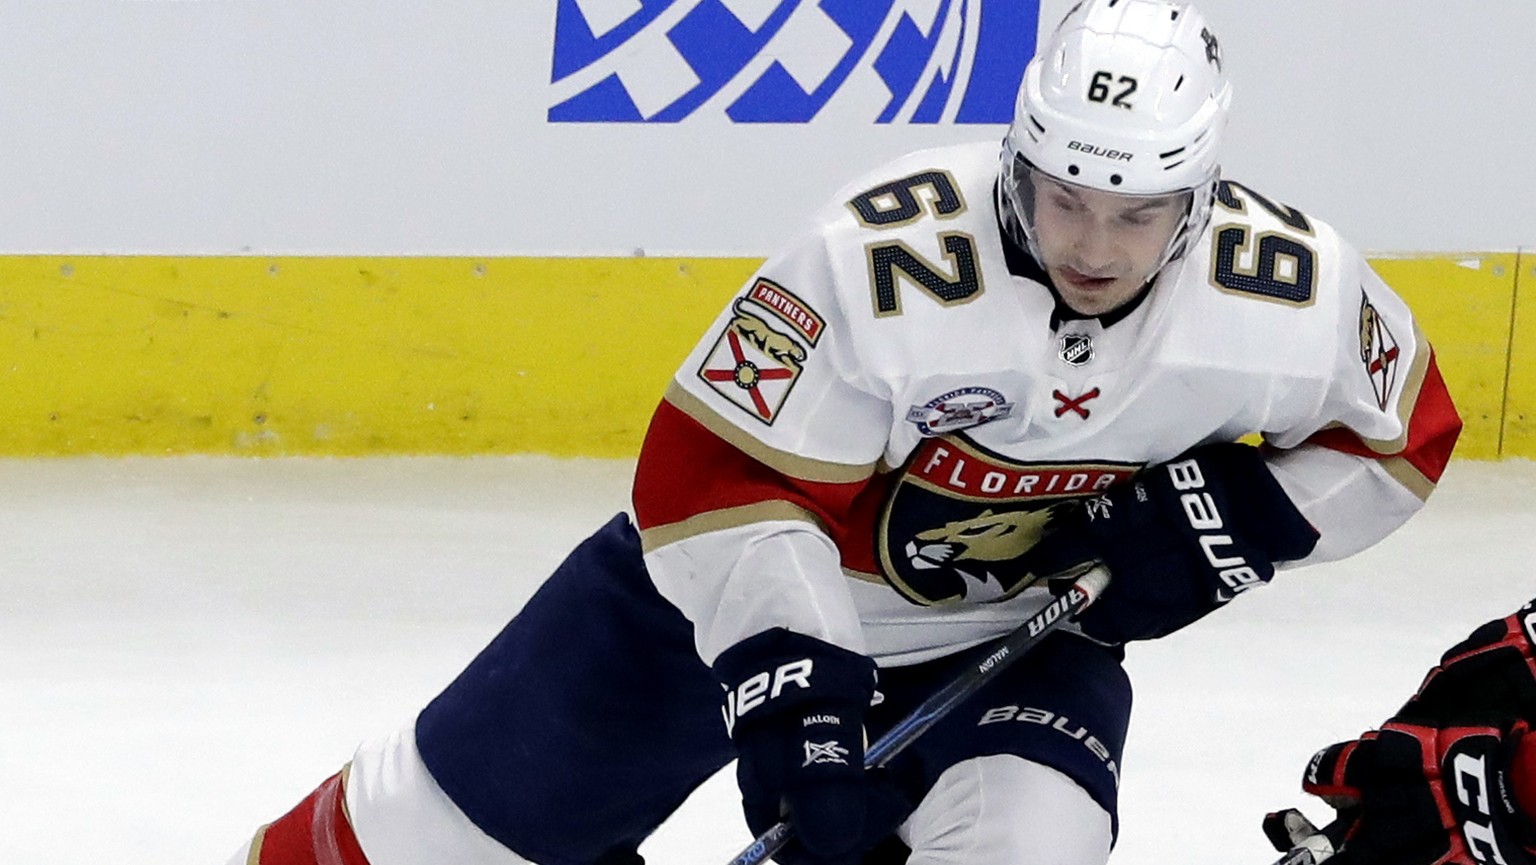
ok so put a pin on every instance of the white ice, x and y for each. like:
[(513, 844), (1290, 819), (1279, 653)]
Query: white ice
[(188, 646)]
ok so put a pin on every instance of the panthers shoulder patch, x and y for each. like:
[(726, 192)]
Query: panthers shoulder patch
[(1378, 351), (763, 349)]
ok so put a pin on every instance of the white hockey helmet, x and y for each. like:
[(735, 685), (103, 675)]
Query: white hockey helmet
[(1128, 97)]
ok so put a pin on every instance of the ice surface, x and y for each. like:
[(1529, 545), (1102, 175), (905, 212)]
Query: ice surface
[(188, 646)]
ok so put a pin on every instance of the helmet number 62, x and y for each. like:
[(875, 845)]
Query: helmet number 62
[(1099, 89)]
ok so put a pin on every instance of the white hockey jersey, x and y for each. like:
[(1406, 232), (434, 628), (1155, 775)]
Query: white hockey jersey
[(892, 404)]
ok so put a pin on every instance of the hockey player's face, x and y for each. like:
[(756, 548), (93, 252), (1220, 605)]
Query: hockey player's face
[(1100, 248)]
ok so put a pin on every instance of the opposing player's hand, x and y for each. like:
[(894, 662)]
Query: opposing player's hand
[(795, 706), (1451, 779), (1416, 793), (1180, 540), (1490, 674)]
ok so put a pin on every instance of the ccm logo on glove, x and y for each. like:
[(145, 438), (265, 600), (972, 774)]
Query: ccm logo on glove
[(1471, 774), (1200, 509), (763, 687)]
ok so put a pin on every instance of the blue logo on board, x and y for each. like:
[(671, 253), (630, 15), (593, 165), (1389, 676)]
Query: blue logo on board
[(785, 61)]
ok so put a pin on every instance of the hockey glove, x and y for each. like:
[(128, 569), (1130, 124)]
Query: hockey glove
[(795, 707), (1489, 675), (1180, 540), (1414, 793)]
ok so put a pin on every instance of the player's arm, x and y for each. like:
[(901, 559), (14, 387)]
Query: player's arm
[(748, 473), (1450, 779), (753, 459), (1381, 440), (1180, 541), (1370, 444), (739, 536)]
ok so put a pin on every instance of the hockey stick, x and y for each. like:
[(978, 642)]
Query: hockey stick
[(1026, 636)]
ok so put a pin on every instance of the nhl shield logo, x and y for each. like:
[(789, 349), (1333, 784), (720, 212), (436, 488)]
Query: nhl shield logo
[(1076, 349), (753, 365)]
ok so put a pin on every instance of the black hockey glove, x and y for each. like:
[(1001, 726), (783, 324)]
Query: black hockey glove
[(1489, 675), (1180, 540), (1417, 793), (795, 707)]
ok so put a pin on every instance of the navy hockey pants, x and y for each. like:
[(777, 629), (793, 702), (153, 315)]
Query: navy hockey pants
[(590, 718)]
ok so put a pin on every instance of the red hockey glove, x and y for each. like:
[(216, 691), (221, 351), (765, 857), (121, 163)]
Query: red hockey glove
[(795, 707), (1181, 540), (1419, 794), (1408, 793)]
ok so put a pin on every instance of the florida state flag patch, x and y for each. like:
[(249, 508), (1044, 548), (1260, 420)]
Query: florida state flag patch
[(1379, 352), (755, 363)]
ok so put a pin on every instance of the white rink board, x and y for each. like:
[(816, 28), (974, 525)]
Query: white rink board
[(188, 646), (232, 126)]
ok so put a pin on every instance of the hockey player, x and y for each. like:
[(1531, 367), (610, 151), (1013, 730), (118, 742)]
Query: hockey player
[(1450, 779), (966, 374)]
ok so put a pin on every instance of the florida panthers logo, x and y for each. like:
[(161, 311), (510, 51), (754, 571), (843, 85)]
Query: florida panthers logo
[(765, 339), (960, 519), (973, 548), (754, 365)]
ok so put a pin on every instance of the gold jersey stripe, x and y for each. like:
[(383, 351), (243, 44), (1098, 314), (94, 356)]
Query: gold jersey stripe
[(727, 518), (1412, 384), (783, 462), (1413, 480), (864, 577), (346, 781), (254, 856)]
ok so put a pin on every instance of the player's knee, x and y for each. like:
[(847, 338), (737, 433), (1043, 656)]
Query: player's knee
[(1005, 810), (317, 831), (385, 802), (403, 817)]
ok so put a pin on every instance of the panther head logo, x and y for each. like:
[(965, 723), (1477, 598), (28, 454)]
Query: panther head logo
[(987, 537), (767, 340), (1368, 325)]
